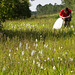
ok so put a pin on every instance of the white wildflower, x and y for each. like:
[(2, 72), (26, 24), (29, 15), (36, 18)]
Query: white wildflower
[(66, 53), (37, 57), (32, 53), (23, 59), (21, 24), (26, 45), (41, 52), (71, 71), (40, 35), (58, 57), (44, 68), (14, 53), (36, 40), (59, 48), (9, 54), (29, 47), (63, 54), (54, 49), (60, 74), (3, 69), (38, 64), (52, 59), (71, 59), (46, 45), (22, 52), (17, 48), (48, 58), (71, 26), (10, 50), (36, 45), (20, 45), (45, 60), (18, 62), (41, 67), (33, 62), (43, 24), (12, 27), (54, 67)]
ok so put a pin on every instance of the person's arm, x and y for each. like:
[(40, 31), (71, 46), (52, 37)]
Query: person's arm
[(62, 17), (68, 16)]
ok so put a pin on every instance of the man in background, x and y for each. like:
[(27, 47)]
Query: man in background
[(65, 14)]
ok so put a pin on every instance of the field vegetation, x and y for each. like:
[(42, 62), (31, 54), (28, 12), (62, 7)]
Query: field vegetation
[(32, 47)]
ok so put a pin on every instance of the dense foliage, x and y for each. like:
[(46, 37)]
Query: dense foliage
[(69, 3), (14, 9), (49, 8)]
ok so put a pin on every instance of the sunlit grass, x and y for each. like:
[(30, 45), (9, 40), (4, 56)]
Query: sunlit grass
[(32, 47)]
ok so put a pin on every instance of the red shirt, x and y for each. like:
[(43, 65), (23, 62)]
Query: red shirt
[(63, 14)]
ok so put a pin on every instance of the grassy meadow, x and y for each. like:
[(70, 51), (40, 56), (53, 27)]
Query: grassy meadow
[(32, 47)]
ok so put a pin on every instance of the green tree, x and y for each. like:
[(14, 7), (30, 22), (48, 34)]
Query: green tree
[(38, 8), (14, 8), (69, 3)]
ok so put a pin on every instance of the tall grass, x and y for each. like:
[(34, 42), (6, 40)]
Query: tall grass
[(32, 47)]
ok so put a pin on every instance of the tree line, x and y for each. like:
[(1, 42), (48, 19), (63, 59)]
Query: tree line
[(48, 8)]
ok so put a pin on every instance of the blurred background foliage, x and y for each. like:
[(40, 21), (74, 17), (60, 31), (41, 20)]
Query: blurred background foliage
[(14, 9)]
